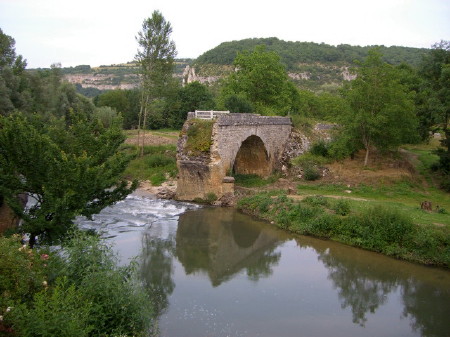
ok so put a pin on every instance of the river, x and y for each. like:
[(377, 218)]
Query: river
[(217, 272)]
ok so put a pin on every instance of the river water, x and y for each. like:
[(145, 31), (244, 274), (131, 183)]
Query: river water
[(217, 272)]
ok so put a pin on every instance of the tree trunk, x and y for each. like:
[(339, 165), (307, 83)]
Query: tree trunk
[(32, 240), (366, 159)]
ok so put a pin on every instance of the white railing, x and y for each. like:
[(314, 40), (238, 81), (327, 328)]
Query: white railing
[(211, 114)]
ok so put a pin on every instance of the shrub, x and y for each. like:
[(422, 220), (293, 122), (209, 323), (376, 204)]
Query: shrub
[(341, 207), (211, 197), (119, 303), (382, 226), (316, 200), (319, 149), (311, 173), (22, 272), (92, 295), (61, 311), (199, 135), (323, 225), (309, 159)]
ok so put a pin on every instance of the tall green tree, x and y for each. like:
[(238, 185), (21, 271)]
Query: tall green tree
[(435, 70), (381, 113), (13, 86), (155, 56), (261, 79), (65, 170), (191, 97)]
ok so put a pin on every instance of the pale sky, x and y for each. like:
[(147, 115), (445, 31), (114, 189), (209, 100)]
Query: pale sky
[(95, 32)]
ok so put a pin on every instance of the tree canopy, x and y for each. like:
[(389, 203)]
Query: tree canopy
[(294, 53), (65, 170), (261, 79), (381, 113)]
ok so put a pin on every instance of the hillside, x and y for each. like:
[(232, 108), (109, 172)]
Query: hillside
[(313, 66), (91, 81)]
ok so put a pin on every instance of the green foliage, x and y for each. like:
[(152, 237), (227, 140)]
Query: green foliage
[(341, 207), (294, 54), (68, 170), (119, 303), (319, 148), (311, 173), (382, 111), (60, 311), (381, 227), (199, 134), (310, 159), (125, 102), (253, 180), (155, 57), (238, 104), (310, 164), (211, 197), (156, 165), (106, 115), (377, 228), (88, 294), (22, 272), (191, 97), (316, 200), (261, 80), (40, 91)]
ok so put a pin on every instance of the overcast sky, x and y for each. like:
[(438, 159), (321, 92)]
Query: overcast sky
[(96, 32)]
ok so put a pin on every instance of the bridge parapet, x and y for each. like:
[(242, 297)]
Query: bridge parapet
[(234, 119)]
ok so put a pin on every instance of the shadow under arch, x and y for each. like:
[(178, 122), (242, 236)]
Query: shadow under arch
[(252, 158)]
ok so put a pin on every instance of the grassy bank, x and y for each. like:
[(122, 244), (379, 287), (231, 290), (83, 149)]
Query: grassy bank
[(156, 165), (368, 225)]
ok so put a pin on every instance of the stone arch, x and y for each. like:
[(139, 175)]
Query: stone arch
[(252, 158)]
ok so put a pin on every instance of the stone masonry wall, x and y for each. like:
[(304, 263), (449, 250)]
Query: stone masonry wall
[(198, 177)]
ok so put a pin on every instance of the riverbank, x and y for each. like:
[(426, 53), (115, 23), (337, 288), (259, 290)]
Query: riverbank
[(376, 228)]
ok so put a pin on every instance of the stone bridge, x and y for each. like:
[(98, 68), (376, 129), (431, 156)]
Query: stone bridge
[(240, 144)]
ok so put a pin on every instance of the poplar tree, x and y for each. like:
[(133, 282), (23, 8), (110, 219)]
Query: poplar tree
[(155, 56)]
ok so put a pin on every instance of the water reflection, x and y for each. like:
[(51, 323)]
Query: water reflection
[(365, 281), (320, 288), (222, 242), (157, 269)]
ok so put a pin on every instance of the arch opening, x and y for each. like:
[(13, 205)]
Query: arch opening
[(252, 158)]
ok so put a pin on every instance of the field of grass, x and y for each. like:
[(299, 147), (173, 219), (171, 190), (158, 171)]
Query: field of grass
[(156, 165), (402, 195)]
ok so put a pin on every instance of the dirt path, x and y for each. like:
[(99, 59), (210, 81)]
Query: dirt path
[(301, 197)]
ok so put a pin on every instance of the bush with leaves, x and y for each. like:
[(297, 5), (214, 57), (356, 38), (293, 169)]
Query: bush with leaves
[(79, 291)]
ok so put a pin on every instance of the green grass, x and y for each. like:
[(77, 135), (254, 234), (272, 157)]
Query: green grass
[(386, 228), (157, 164), (253, 180), (403, 196)]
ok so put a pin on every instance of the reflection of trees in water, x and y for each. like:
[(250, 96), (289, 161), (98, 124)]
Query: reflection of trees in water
[(263, 267), (428, 307), (360, 289), (364, 280), (156, 270)]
